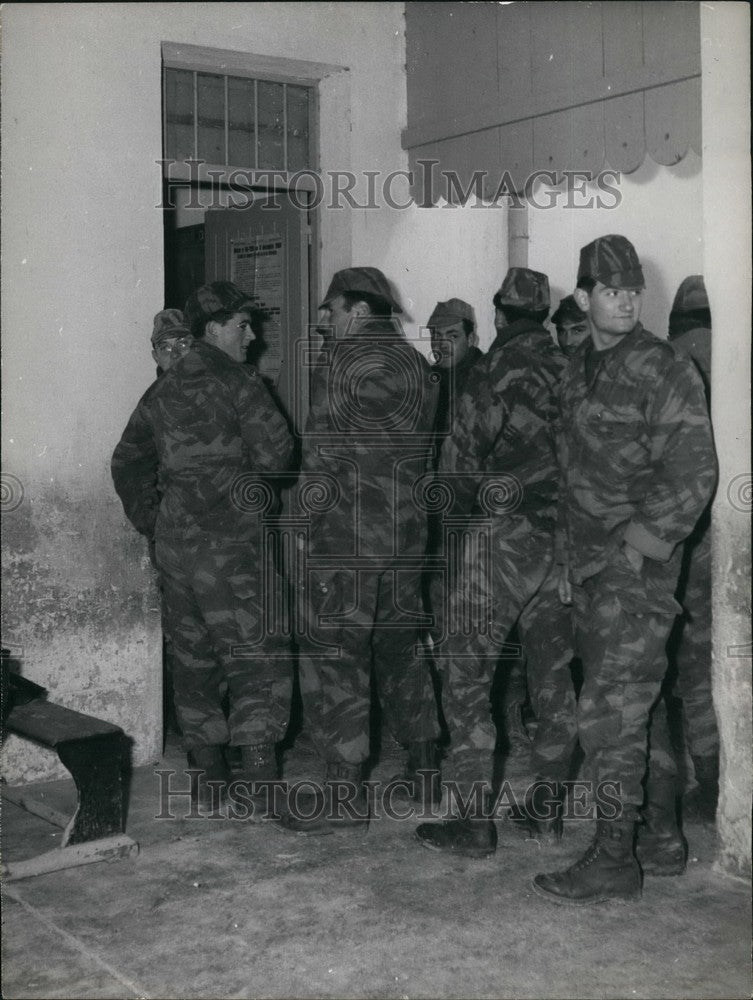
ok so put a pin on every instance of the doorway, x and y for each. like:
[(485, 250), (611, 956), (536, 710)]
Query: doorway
[(266, 249)]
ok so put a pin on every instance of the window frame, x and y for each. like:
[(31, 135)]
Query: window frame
[(226, 63)]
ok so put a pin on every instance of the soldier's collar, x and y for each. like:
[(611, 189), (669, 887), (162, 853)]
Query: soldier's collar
[(516, 329), (615, 358)]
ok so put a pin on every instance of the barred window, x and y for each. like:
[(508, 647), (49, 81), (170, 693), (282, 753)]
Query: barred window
[(237, 121)]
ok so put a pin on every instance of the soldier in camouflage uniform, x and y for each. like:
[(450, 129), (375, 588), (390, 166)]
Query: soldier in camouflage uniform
[(638, 466), (452, 339), (171, 340), (183, 470), (454, 353), (546, 631), (369, 437), (571, 324), (499, 465), (690, 645)]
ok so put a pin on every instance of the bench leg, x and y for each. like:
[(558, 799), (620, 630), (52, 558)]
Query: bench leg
[(96, 765), (60, 858)]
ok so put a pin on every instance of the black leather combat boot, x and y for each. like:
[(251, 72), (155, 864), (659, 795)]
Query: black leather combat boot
[(472, 837), (252, 791), (258, 762), (608, 870), (339, 804), (661, 848), (541, 819), (208, 778)]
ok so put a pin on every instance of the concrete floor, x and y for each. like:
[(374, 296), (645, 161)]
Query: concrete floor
[(220, 909)]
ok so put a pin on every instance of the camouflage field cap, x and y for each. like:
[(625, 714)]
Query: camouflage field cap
[(691, 295), (368, 280), (207, 300), (524, 289), (450, 312), (169, 325), (612, 260), (568, 311)]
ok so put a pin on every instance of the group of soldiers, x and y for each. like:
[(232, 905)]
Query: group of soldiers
[(555, 486)]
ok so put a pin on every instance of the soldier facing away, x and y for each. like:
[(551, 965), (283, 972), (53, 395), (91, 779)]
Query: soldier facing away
[(500, 470), (690, 644), (192, 450), (369, 440), (638, 467)]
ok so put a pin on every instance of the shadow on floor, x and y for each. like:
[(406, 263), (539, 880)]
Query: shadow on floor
[(220, 908)]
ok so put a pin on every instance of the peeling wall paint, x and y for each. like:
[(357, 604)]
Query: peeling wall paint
[(81, 614), (733, 685), (82, 251), (725, 62)]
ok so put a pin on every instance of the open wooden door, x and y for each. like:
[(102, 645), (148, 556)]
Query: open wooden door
[(264, 250)]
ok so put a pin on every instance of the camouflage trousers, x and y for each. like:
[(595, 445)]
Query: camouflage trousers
[(690, 649), (546, 629), (217, 599), (623, 620), (361, 624), (500, 571), (516, 688)]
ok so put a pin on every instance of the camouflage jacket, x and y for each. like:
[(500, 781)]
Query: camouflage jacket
[(636, 454), (500, 456), (697, 343), (196, 448), (451, 384), (367, 445)]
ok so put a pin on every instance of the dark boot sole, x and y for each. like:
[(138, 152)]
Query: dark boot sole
[(633, 897)]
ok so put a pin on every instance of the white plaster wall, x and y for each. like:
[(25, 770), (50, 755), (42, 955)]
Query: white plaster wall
[(433, 254), (725, 53), (82, 278), (659, 211), (82, 235)]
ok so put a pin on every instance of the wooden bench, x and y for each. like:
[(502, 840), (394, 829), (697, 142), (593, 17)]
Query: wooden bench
[(94, 752)]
